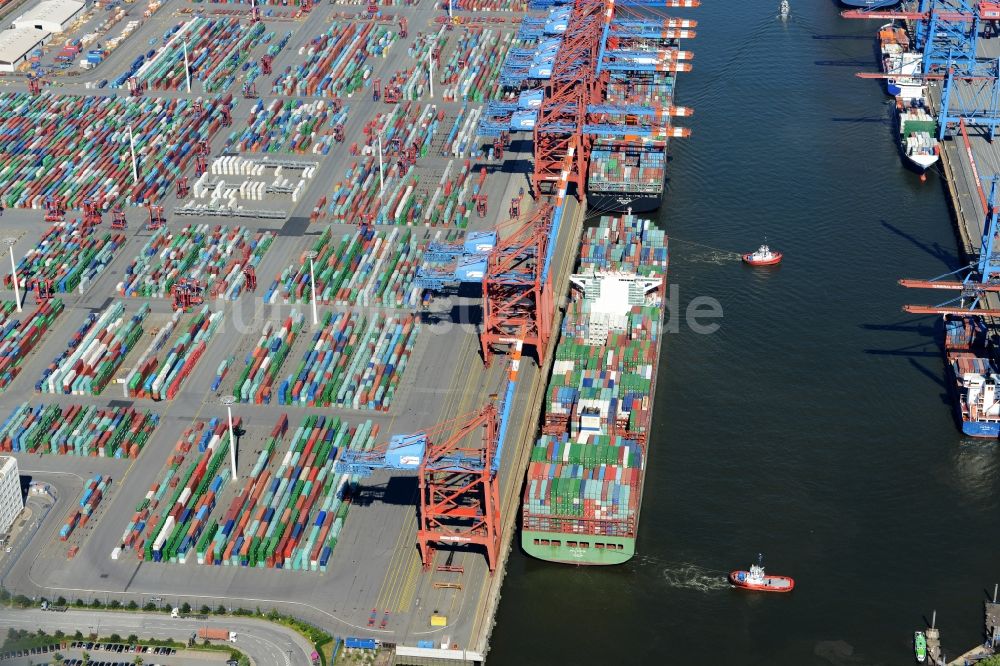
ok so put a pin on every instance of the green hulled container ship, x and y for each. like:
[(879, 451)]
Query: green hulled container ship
[(584, 481)]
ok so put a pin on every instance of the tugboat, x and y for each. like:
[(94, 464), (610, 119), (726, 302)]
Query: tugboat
[(764, 256), (920, 646), (756, 579)]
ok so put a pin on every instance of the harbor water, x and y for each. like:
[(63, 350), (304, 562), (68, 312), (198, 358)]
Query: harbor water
[(815, 425)]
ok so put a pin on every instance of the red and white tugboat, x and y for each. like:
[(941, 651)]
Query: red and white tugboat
[(756, 579), (764, 256)]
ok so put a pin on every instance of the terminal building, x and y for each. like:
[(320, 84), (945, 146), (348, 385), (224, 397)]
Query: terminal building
[(16, 46), (11, 501), (33, 28), (50, 15)]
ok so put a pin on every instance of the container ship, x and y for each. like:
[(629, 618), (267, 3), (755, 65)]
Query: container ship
[(918, 133), (630, 172), (971, 363), (585, 478), (917, 125), (899, 61)]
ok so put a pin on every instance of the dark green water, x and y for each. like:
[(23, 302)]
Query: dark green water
[(814, 426)]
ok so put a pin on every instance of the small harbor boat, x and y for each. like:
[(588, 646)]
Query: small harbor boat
[(784, 9), (764, 256), (920, 646), (756, 579)]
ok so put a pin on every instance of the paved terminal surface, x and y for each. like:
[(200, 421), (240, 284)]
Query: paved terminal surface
[(375, 565), (959, 170), (264, 642)]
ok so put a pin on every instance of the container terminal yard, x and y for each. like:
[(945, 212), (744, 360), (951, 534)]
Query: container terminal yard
[(317, 221)]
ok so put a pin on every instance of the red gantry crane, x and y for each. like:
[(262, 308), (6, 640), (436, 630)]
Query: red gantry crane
[(457, 463)]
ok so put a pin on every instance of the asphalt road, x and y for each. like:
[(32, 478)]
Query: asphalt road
[(265, 643)]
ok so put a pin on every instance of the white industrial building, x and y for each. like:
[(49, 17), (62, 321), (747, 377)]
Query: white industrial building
[(50, 15), (11, 502), (16, 46)]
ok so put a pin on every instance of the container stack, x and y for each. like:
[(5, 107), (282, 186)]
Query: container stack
[(335, 62), (262, 365), (213, 256), (68, 255), (198, 434), (69, 146), (160, 379), (365, 268), (470, 70), (87, 366), (352, 363), (491, 5), (216, 49), (231, 179), (17, 339), (77, 430), (185, 516), (288, 514), (93, 493), (289, 126)]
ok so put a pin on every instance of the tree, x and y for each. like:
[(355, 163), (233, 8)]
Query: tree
[(12, 634), (86, 658), (115, 604), (185, 608), (61, 601), (131, 605), (244, 660), (78, 635), (58, 633), (220, 610), (115, 638), (78, 603), (138, 660), (96, 603), (132, 639), (205, 610), (57, 659), (149, 607)]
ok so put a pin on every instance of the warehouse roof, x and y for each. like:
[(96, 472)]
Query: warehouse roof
[(54, 11), (14, 44)]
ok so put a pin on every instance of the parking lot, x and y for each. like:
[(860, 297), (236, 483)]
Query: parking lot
[(111, 654)]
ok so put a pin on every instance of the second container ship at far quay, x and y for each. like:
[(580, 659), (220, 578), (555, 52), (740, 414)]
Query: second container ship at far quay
[(585, 478)]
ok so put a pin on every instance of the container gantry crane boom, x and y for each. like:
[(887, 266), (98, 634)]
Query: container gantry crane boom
[(974, 281), (459, 488)]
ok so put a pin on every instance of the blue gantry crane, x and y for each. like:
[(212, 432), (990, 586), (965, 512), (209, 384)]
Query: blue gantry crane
[(973, 282), (459, 489)]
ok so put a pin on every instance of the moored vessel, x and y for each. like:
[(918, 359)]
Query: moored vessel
[(975, 378), (585, 479), (918, 134), (920, 646)]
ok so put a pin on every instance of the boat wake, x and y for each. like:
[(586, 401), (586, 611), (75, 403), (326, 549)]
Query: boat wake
[(694, 577), (717, 257)]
